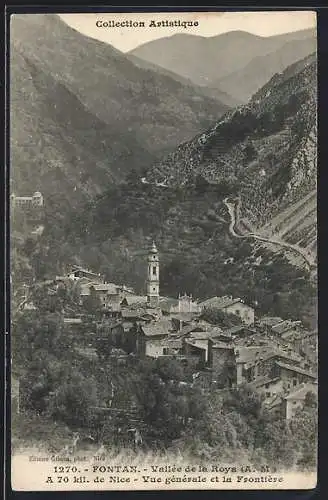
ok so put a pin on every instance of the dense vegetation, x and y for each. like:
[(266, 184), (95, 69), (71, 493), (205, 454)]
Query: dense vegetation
[(268, 146), (64, 389), (190, 226)]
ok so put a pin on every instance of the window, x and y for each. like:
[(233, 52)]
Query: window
[(154, 271), (154, 289), (165, 351), (237, 312), (294, 382), (268, 394)]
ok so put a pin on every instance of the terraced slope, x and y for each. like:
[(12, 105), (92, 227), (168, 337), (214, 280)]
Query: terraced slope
[(266, 152)]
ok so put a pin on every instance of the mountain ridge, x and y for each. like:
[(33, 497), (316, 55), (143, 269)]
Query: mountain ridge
[(267, 147), (260, 69), (210, 59), (101, 87)]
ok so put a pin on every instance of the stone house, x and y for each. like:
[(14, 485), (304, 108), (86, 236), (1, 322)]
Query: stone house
[(105, 292), (285, 405), (230, 305), (151, 338), (293, 375), (296, 398), (197, 340), (254, 362), (269, 387), (113, 306), (222, 361), (78, 273), (197, 347), (131, 300), (181, 320)]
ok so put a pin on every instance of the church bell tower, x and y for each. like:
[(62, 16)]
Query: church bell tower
[(153, 277)]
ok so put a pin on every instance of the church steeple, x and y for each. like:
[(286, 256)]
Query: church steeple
[(153, 277)]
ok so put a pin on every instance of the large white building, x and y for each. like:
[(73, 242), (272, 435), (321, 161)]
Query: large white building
[(36, 200)]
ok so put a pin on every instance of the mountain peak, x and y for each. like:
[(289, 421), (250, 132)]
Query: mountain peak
[(207, 60)]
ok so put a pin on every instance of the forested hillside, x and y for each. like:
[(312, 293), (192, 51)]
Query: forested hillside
[(82, 115)]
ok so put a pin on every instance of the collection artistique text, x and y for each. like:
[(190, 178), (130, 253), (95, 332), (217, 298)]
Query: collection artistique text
[(100, 23)]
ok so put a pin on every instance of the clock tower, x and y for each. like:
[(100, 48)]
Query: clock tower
[(153, 277)]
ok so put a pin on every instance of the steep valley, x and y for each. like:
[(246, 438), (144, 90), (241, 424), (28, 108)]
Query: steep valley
[(82, 115), (264, 152)]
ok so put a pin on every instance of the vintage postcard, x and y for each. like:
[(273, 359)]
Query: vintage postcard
[(163, 258)]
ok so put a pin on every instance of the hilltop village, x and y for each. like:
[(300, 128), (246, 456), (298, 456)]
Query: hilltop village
[(221, 339)]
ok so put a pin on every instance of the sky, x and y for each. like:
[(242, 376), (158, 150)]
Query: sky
[(209, 24)]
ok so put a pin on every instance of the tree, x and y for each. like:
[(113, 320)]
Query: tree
[(73, 400), (250, 153), (304, 429), (221, 318)]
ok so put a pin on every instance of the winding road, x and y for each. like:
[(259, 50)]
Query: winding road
[(233, 209)]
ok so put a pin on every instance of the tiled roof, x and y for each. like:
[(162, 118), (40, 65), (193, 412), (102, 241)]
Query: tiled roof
[(263, 381), (250, 354), (136, 299), (85, 287), (235, 329), (270, 320), (292, 355), (198, 334), (301, 391), (200, 343), (106, 287), (222, 302), (285, 326), (296, 369), (222, 345), (183, 316), (185, 330)]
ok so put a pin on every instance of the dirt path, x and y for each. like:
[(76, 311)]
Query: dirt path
[(234, 209)]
